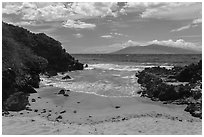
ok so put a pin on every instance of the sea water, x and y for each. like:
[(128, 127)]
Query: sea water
[(114, 75)]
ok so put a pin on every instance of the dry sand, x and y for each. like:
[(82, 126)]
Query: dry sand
[(82, 113)]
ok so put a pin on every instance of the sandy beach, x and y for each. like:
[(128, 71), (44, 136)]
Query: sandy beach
[(82, 113)]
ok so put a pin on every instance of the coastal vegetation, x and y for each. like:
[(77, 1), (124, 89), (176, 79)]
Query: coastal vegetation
[(24, 56)]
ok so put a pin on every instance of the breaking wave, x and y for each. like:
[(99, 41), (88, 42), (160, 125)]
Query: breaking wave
[(124, 67)]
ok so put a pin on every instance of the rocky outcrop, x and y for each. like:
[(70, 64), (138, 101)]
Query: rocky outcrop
[(191, 73), (170, 86), (24, 56), (16, 102)]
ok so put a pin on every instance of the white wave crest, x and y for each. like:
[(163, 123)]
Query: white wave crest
[(124, 67), (113, 67)]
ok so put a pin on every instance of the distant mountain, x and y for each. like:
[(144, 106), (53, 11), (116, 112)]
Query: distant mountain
[(155, 49)]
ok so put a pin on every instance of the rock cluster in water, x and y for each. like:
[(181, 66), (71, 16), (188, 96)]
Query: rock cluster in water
[(179, 85), (24, 56)]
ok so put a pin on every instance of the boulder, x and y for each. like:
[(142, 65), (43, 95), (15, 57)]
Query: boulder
[(62, 91), (66, 77), (86, 66), (66, 95), (17, 101), (62, 111)]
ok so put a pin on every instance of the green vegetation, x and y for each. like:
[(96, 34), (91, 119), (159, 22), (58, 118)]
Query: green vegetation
[(24, 56)]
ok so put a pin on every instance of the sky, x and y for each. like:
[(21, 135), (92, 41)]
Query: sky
[(98, 27)]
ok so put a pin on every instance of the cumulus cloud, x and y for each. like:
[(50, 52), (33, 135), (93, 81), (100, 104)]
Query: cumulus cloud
[(117, 34), (118, 46), (194, 23), (37, 11), (78, 35), (69, 12), (25, 23), (113, 34), (61, 11), (180, 43), (132, 43), (78, 24), (11, 8), (80, 10), (91, 9), (107, 36), (170, 10)]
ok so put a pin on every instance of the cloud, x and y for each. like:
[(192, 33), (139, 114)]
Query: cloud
[(165, 10), (107, 36), (194, 23), (61, 11), (69, 12), (132, 43), (11, 8), (78, 25), (115, 34), (180, 43), (25, 23), (95, 9), (181, 28), (118, 46), (78, 35)]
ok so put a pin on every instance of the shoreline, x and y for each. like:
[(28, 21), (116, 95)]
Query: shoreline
[(89, 112)]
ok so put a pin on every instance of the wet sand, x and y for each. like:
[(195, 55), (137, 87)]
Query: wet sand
[(82, 113)]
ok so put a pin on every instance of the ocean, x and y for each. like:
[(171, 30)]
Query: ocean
[(113, 75)]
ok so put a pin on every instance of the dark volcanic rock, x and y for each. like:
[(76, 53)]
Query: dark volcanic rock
[(35, 110), (66, 95), (117, 107), (74, 111), (62, 111), (195, 109), (62, 91), (16, 102), (191, 73), (86, 66), (59, 117), (66, 77), (161, 84)]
